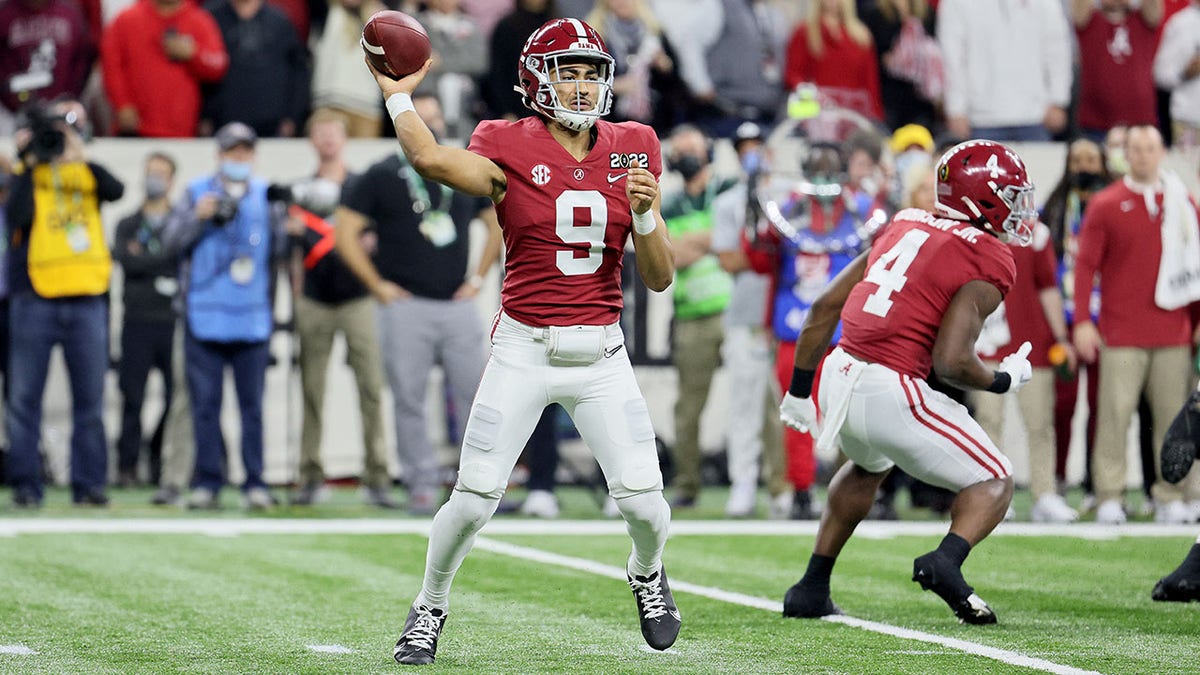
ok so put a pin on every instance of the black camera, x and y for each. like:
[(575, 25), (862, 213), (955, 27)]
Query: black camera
[(318, 195), (47, 141), (227, 208)]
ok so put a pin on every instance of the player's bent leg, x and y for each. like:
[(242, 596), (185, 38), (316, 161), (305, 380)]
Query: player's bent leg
[(851, 494), (647, 519), (974, 514)]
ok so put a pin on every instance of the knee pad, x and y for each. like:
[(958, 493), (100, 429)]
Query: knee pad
[(645, 507), (480, 478), (469, 511), (642, 475)]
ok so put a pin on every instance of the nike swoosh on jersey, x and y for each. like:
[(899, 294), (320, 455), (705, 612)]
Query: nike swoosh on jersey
[(613, 179)]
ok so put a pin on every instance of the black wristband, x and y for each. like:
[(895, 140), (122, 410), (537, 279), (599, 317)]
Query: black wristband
[(1000, 383), (802, 380)]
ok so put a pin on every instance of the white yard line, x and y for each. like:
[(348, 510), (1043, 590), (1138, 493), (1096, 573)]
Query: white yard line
[(227, 527), (17, 650), (592, 567), (329, 649)]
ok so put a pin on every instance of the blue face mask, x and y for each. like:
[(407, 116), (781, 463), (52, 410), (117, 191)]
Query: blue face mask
[(238, 172)]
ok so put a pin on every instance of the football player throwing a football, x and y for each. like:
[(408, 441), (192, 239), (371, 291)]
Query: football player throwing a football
[(570, 189), (917, 299)]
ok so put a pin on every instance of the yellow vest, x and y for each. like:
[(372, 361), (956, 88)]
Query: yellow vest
[(67, 252)]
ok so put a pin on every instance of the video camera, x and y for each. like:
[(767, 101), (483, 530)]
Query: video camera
[(318, 195), (47, 140)]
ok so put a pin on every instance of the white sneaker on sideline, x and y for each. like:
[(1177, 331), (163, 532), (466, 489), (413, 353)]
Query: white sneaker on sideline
[(1194, 507), (1174, 513), (780, 506), (743, 497), (1052, 508), (1110, 512), (540, 504)]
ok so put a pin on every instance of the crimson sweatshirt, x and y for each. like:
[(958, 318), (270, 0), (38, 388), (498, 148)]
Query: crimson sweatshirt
[(137, 72)]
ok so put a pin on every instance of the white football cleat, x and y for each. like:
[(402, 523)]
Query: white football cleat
[(1175, 513), (1052, 508), (1110, 512), (742, 500), (540, 504)]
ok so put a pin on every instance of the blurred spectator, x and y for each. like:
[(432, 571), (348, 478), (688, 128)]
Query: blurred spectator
[(333, 301), (459, 58), (1163, 95), (578, 9), (834, 50), (496, 86), (427, 314), (744, 68), (148, 325), (1116, 62), (912, 77), (912, 156), (267, 84), (631, 33), (689, 28), (59, 269), (157, 54), (46, 53), (1032, 311), (541, 458), (341, 84), (486, 13), (1008, 68), (1143, 343), (6, 179), (828, 224), (1177, 68), (700, 294), (754, 432), (298, 13), (230, 237), (1085, 173)]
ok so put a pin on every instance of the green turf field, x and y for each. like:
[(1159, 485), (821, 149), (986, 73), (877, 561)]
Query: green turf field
[(176, 594)]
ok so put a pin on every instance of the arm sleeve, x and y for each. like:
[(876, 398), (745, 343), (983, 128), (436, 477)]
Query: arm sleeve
[(1056, 45), (952, 38), (1045, 267), (113, 63), (1173, 55), (108, 187), (210, 61), (19, 209), (691, 37)]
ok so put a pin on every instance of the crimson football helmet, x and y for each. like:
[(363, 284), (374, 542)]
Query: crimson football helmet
[(985, 183), (556, 43)]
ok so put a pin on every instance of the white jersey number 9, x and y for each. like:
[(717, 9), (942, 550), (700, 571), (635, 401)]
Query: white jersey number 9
[(592, 235)]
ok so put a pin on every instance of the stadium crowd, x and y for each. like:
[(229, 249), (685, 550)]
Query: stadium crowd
[(379, 256)]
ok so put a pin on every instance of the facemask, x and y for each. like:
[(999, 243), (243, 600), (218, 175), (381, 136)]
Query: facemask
[(752, 162), (687, 166), (156, 187), (1086, 181), (907, 160), (238, 172)]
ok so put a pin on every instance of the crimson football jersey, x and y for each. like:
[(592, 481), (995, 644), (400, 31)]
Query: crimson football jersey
[(565, 222), (915, 267)]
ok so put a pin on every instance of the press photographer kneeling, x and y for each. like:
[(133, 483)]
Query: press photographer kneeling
[(59, 270)]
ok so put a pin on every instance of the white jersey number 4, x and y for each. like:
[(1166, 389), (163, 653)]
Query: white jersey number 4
[(888, 271)]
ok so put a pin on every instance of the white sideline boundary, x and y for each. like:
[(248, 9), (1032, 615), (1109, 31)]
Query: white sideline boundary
[(234, 526)]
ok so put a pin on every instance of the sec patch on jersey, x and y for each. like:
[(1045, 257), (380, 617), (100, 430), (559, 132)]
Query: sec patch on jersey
[(395, 43)]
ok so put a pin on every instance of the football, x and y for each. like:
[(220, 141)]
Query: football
[(395, 43)]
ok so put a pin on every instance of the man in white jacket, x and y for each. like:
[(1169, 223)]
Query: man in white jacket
[(1008, 68), (1177, 68)]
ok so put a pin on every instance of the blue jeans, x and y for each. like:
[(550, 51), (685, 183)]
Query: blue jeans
[(206, 363), (80, 325)]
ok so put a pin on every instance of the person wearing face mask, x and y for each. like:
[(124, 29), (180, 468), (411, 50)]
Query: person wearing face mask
[(230, 238), (148, 324), (701, 293)]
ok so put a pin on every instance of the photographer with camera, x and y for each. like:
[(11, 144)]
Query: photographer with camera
[(59, 270), (230, 237)]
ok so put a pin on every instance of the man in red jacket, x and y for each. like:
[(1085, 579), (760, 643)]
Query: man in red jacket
[(155, 55), (1139, 345)]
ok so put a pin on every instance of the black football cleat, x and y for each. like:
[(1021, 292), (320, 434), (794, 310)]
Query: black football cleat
[(1180, 444), (417, 645), (803, 603), (656, 609), (944, 578), (1177, 587)]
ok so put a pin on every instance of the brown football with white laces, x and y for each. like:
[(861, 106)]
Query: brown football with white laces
[(395, 43)]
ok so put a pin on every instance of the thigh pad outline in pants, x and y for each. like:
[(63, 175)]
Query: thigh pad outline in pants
[(614, 421)]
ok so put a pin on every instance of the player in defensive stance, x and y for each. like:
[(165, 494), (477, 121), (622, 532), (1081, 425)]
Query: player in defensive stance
[(917, 298), (1178, 453), (568, 189)]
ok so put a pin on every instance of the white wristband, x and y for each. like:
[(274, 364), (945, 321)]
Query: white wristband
[(398, 103), (644, 223)]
